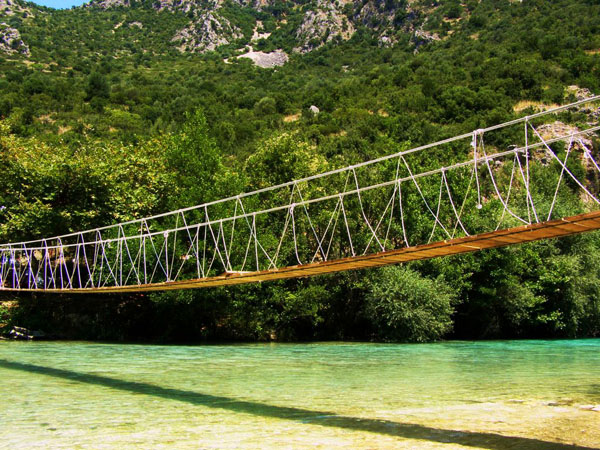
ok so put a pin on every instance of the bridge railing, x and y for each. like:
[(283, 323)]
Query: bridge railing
[(526, 171)]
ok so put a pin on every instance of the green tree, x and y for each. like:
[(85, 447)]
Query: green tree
[(405, 306), (196, 165), (284, 157), (97, 86)]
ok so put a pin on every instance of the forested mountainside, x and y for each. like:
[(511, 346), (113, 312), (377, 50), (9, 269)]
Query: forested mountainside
[(124, 108)]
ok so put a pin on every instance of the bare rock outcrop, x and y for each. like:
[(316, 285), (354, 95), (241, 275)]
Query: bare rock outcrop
[(159, 5), (184, 5), (206, 30), (582, 144), (205, 34), (266, 60), (12, 7), (259, 5), (257, 35), (7, 7), (323, 21), (591, 109), (421, 37), (579, 92), (11, 42), (389, 19), (323, 24), (106, 4), (374, 14), (558, 129)]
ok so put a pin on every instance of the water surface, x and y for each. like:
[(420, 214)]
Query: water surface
[(517, 394)]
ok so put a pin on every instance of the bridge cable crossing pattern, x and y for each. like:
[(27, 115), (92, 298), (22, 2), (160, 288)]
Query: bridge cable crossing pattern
[(457, 195)]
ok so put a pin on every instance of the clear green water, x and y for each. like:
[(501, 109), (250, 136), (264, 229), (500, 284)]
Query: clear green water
[(518, 394)]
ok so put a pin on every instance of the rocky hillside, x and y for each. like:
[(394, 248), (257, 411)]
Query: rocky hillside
[(120, 69), (10, 41), (201, 26), (15, 7), (308, 25)]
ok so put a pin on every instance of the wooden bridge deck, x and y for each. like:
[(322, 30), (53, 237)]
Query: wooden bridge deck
[(509, 236)]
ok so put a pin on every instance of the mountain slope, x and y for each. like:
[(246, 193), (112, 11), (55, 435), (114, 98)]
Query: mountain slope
[(410, 70), (202, 26)]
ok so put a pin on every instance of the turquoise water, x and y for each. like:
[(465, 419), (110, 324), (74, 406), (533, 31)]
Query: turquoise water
[(517, 394)]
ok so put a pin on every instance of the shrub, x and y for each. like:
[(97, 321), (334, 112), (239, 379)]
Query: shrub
[(406, 306)]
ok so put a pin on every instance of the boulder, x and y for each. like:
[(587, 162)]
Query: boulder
[(25, 334)]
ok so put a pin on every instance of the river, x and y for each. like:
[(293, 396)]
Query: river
[(496, 395)]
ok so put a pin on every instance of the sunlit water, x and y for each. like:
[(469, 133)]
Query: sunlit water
[(519, 394)]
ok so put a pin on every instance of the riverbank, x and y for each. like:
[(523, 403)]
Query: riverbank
[(220, 316)]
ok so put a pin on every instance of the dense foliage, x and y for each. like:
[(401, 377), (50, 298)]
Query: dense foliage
[(102, 124), (406, 306)]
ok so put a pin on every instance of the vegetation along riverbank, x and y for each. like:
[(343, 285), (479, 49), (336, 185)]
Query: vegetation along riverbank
[(121, 109)]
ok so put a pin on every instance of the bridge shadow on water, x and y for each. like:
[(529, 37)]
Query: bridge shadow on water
[(313, 417)]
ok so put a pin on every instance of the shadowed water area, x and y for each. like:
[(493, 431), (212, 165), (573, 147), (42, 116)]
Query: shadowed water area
[(496, 395)]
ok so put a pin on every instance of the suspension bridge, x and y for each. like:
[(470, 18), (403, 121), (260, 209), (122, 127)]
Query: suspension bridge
[(532, 178)]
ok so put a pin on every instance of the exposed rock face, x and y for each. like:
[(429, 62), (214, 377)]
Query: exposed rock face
[(205, 34), (159, 5), (374, 15), (206, 31), (11, 42), (183, 5), (581, 145), (256, 4), (257, 35), (387, 19), (323, 24), (6, 7), (579, 93), (105, 4), (11, 7), (266, 60), (323, 21), (558, 128), (591, 109), (421, 37)]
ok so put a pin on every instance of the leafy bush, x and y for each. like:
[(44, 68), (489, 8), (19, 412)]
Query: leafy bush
[(4, 313), (406, 306)]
